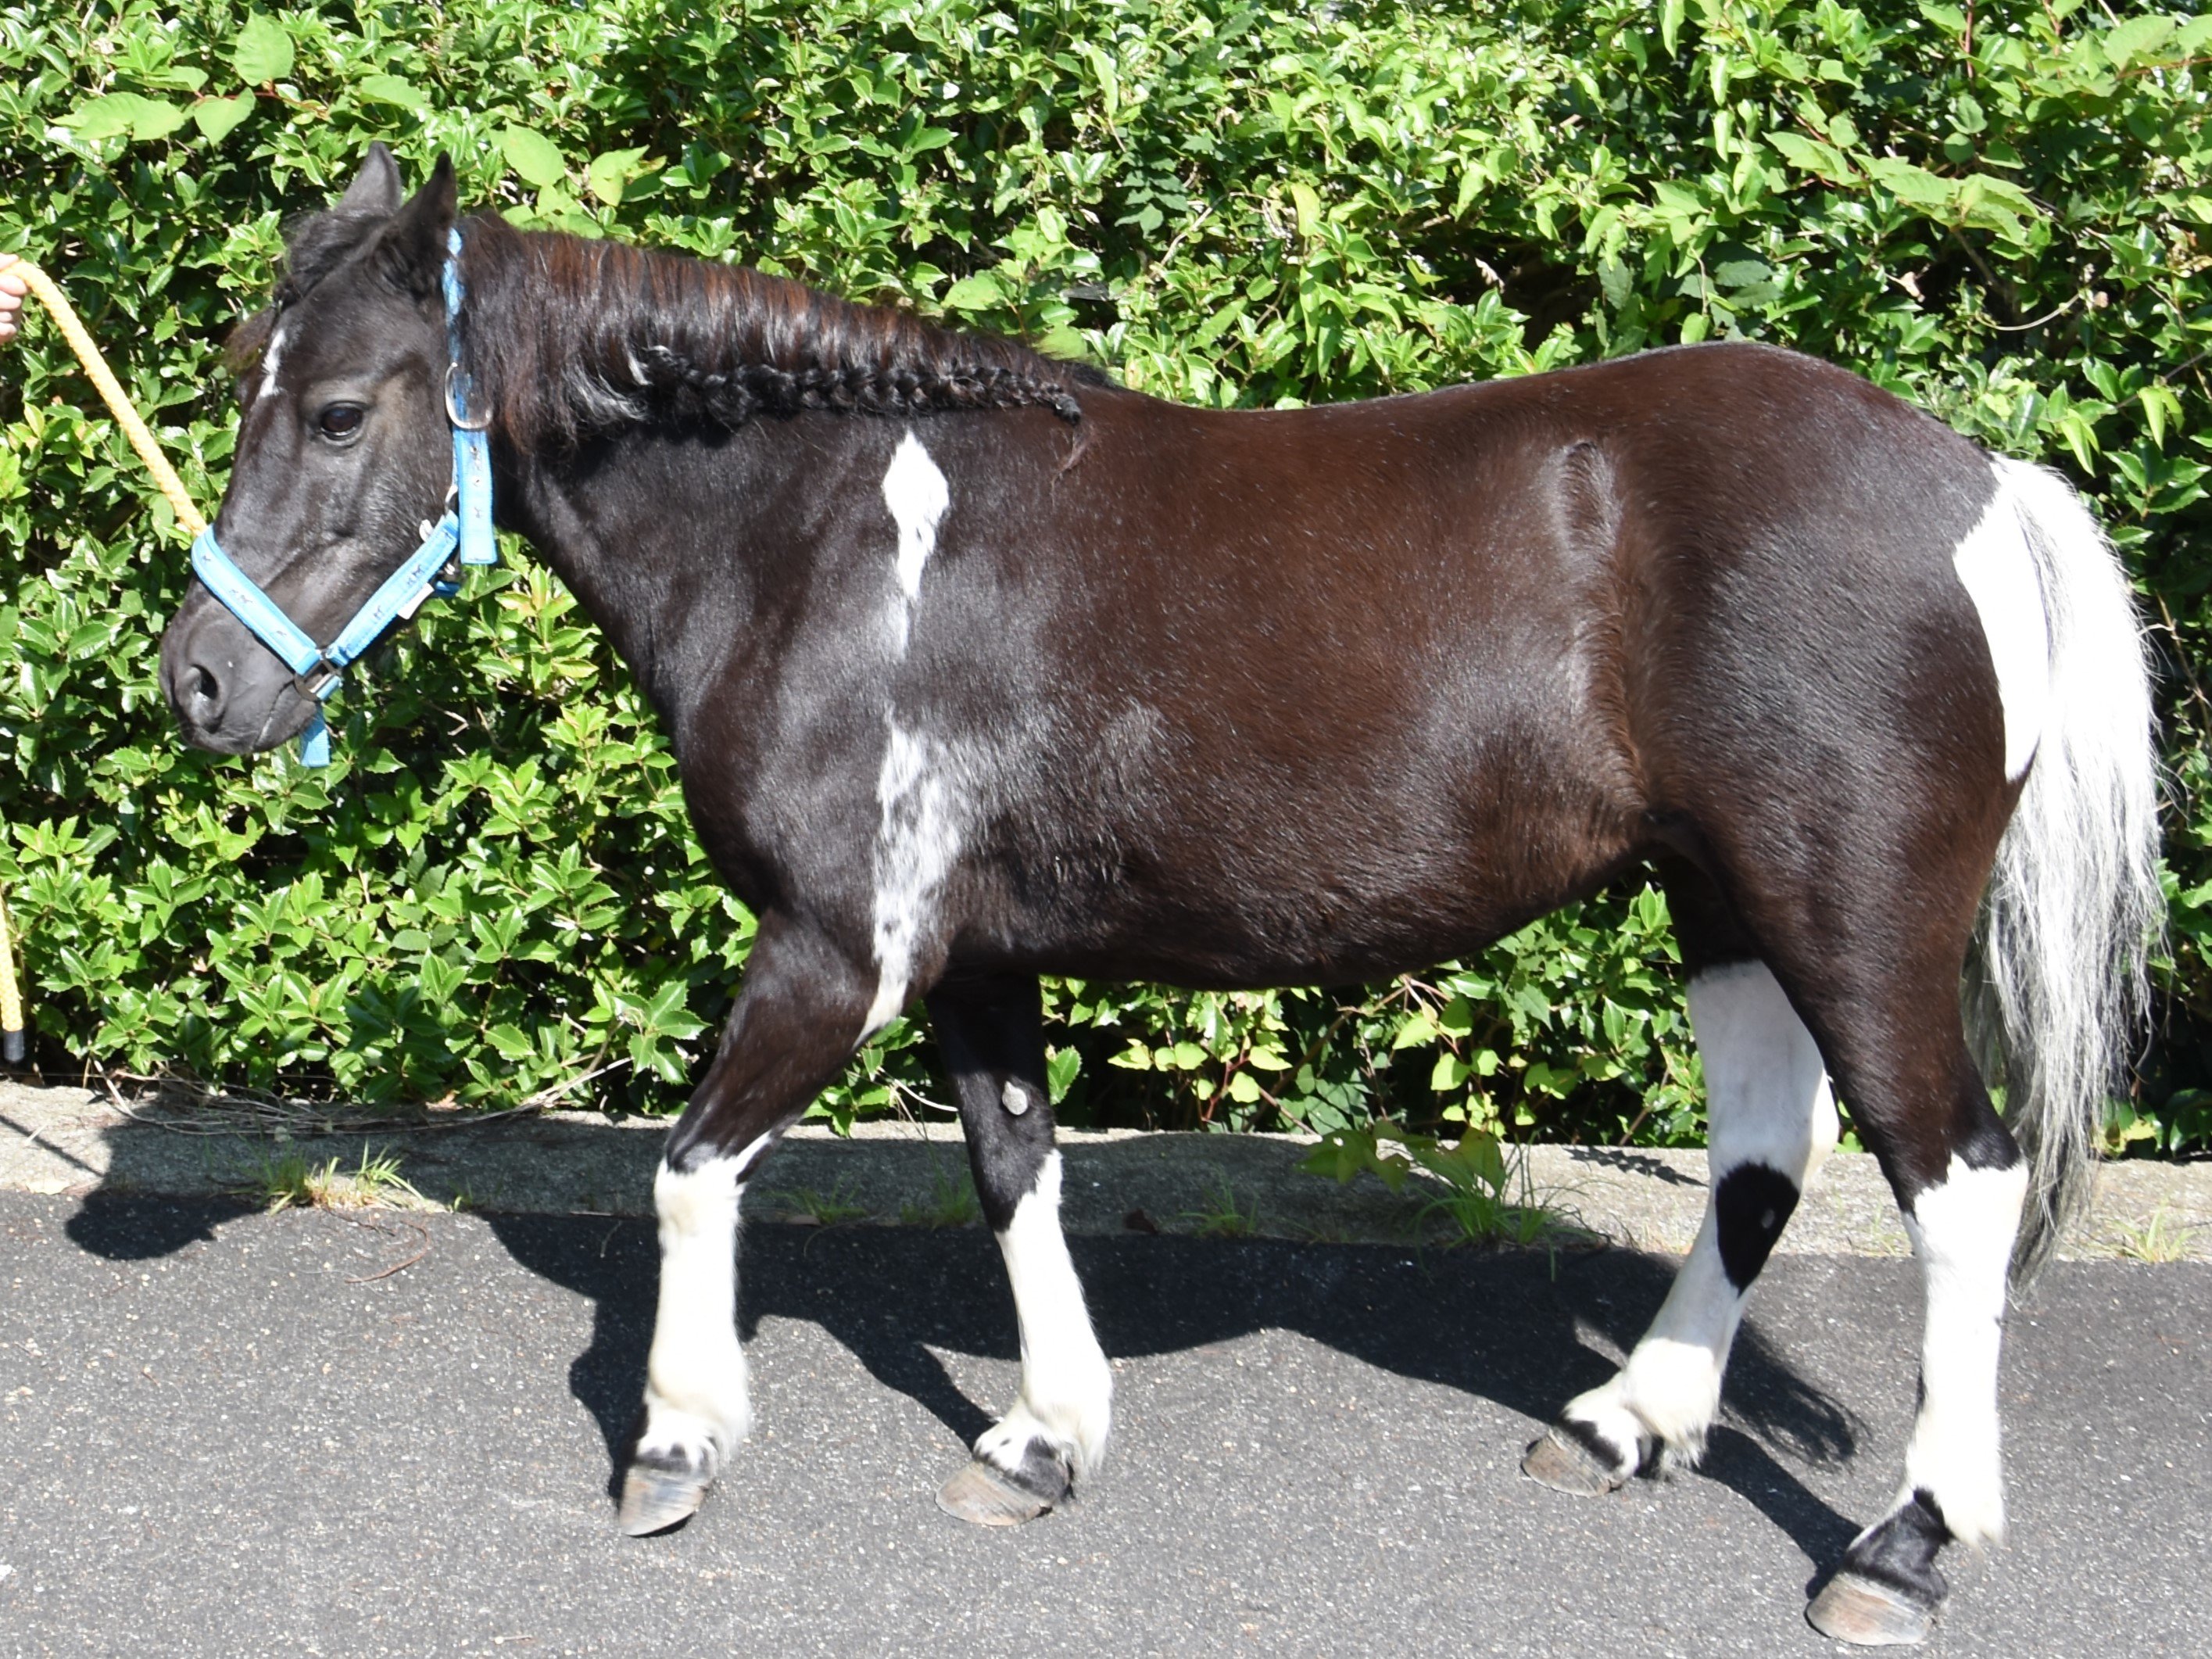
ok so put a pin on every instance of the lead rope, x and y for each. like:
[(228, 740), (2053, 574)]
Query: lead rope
[(73, 330), (111, 391)]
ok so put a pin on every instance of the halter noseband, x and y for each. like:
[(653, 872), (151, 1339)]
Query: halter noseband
[(465, 526)]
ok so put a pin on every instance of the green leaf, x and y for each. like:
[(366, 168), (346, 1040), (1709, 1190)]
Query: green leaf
[(1309, 208), (121, 113), (263, 52), (1742, 273), (510, 1043), (534, 157), (390, 90), (217, 117), (980, 292), (2136, 39), (2160, 403), (1915, 186), (609, 171), (1670, 24), (1060, 1074)]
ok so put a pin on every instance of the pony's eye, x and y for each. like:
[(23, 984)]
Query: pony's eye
[(340, 420)]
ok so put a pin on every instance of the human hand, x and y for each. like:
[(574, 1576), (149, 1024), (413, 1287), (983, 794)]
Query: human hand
[(13, 288)]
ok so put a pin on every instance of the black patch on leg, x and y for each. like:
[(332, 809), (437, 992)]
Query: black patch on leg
[(1900, 1554), (1986, 1143), (675, 1461), (1752, 1204), (1585, 1434), (1043, 1473)]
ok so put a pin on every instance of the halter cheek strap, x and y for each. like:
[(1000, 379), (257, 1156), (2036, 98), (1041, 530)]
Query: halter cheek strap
[(464, 530)]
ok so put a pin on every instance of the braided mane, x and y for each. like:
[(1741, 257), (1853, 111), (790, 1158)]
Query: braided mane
[(571, 336)]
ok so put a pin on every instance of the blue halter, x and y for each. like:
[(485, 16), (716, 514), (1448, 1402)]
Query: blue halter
[(465, 525)]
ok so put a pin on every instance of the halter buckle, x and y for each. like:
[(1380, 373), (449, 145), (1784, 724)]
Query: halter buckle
[(461, 423)]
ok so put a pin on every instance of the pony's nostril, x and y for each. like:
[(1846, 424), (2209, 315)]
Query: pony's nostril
[(202, 692)]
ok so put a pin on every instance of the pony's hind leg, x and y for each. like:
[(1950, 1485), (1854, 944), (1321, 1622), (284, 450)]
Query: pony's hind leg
[(1871, 954), (1031, 1459), (1771, 1121), (1960, 1180)]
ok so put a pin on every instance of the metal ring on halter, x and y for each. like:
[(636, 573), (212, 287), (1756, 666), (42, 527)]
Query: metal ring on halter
[(461, 423)]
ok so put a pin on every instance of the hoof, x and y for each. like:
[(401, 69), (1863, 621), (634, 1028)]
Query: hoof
[(1867, 1614), (986, 1496), (1564, 1463), (659, 1492)]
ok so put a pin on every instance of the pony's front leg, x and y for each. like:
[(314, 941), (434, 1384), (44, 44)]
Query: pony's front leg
[(793, 1028), (1031, 1459)]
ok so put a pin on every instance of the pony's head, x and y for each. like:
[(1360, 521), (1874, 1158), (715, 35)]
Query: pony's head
[(344, 450)]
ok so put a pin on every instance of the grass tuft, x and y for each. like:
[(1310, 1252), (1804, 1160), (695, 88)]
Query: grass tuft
[(288, 1181), (952, 1203), (1221, 1217)]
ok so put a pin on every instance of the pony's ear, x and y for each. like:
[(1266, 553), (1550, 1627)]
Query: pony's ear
[(374, 192), (411, 251)]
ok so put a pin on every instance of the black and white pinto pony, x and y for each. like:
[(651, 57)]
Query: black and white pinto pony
[(979, 666)]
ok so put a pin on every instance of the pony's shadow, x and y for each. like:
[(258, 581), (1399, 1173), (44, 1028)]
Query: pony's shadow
[(1518, 1329)]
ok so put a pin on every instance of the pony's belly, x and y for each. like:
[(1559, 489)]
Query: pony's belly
[(1317, 930)]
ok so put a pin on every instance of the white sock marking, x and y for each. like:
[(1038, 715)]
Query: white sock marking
[(695, 1395), (1067, 1388), (1768, 1102), (1998, 571), (1962, 1231)]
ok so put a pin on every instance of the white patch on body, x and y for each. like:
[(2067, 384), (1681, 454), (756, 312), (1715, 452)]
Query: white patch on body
[(1998, 571), (1962, 1231), (1768, 1102), (917, 834), (694, 1394), (1067, 1388), (917, 495), (917, 837), (1014, 1099)]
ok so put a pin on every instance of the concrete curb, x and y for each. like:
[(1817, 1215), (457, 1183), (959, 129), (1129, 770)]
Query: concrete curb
[(64, 1140)]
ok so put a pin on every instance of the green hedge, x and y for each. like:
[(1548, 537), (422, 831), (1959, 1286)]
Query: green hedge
[(2001, 213)]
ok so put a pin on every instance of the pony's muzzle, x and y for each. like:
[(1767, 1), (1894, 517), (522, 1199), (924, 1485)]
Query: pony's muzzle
[(228, 692)]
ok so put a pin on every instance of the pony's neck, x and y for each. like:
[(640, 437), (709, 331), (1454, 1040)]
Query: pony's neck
[(654, 532)]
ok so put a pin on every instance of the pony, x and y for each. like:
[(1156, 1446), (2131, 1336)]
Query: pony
[(979, 666)]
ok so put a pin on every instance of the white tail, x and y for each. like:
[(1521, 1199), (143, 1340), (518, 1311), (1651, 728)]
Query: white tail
[(2057, 991)]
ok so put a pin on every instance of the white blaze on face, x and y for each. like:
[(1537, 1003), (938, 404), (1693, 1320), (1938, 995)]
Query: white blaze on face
[(1998, 571), (1962, 1231), (272, 357)]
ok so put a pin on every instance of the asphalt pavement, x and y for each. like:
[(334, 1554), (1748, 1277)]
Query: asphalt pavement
[(228, 1432)]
